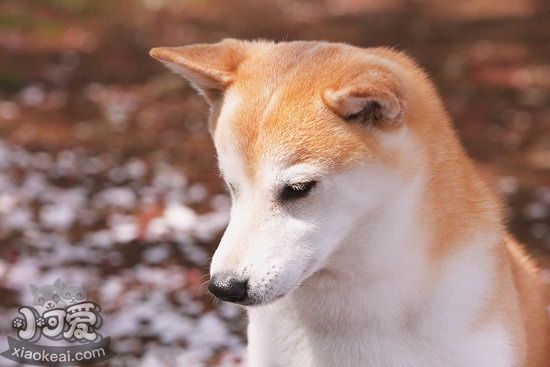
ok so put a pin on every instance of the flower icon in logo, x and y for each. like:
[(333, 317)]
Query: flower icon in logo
[(18, 323), (40, 322)]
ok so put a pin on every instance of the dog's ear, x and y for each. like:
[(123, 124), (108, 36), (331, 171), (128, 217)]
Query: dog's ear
[(58, 283), (365, 102), (209, 67)]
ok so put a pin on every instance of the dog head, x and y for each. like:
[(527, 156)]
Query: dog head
[(311, 138)]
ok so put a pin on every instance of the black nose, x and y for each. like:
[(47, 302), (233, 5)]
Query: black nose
[(228, 287)]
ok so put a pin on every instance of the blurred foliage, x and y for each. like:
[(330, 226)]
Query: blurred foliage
[(76, 81)]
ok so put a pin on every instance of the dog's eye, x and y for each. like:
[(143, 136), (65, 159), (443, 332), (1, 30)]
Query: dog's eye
[(297, 190)]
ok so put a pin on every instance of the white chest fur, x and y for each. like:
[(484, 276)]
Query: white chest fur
[(383, 305), (364, 325)]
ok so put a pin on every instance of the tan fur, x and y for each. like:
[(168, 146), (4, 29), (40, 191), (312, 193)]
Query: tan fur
[(287, 115), (533, 300)]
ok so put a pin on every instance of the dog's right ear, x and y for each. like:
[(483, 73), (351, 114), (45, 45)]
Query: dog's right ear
[(209, 67), (367, 102), (58, 283)]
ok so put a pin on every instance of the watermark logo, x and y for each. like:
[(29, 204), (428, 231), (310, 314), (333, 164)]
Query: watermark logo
[(59, 312)]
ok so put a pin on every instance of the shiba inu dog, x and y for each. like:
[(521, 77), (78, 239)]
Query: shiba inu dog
[(360, 232), (47, 297), (72, 295)]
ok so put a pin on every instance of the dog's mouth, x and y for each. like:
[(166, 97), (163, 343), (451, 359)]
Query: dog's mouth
[(254, 300), (251, 289), (248, 293), (263, 294), (265, 299)]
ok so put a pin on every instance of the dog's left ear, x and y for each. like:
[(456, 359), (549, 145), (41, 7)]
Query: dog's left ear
[(365, 102), (209, 67)]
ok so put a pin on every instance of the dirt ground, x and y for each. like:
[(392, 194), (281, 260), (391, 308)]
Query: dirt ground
[(107, 172)]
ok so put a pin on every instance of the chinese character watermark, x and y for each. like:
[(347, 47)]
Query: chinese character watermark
[(59, 312)]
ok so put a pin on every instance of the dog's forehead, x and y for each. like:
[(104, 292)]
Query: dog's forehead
[(260, 134), (273, 114)]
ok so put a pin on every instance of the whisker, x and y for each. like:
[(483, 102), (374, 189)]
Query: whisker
[(203, 284)]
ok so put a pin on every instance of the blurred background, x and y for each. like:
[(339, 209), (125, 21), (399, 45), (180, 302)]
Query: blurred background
[(108, 176)]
